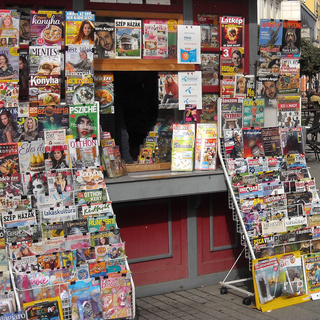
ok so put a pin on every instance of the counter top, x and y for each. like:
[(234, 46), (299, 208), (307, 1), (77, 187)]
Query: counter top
[(149, 185)]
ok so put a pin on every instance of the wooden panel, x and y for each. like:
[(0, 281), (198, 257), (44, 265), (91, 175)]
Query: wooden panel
[(144, 228), (141, 65), (223, 235)]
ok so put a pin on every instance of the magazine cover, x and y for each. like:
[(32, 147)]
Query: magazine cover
[(291, 38), (9, 164), (233, 143), (96, 209), (51, 307), (311, 267), (9, 64), (271, 142), (49, 261), (245, 86), (257, 164), (210, 69), (209, 24), (289, 111), (9, 28), (270, 32), (231, 61), (79, 90), (24, 27), (29, 128), (269, 60), (51, 118), (56, 157), (289, 81), (291, 140), (44, 61), (84, 153), (79, 27), (84, 121), (9, 94), (231, 113), (19, 218), (168, 90), (60, 181), (206, 147), (128, 38), (253, 113), (252, 142), (46, 28), (52, 230), (55, 137), (208, 113), (79, 226), (10, 129), (105, 44), (58, 214), (25, 249), (90, 196), (155, 39), (227, 85), (88, 179), (79, 60), (101, 224), (31, 156), (105, 237), (182, 147), (267, 88), (231, 31), (19, 234), (104, 92)]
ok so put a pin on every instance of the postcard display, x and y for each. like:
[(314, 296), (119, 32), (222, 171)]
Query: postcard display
[(275, 199), (60, 246)]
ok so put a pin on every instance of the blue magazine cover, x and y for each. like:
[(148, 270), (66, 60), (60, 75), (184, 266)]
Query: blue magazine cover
[(270, 32)]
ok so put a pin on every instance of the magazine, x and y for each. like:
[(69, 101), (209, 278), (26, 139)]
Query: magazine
[(56, 157), (59, 214), (46, 28), (52, 230), (168, 87), (269, 60), (74, 227), (9, 29), (84, 153), (19, 218), (84, 121), (289, 111), (96, 209), (271, 142), (128, 38), (79, 90), (29, 128), (227, 85), (105, 38), (12, 71), (25, 27), (105, 237), (31, 156), (289, 81), (231, 113), (270, 32), (208, 113), (291, 39), (79, 60), (291, 140), (9, 94), (232, 61), (60, 181), (22, 233), (51, 307), (90, 196), (252, 142), (231, 31), (74, 22), (54, 137), (209, 24), (210, 68), (245, 86), (233, 143), (100, 224), (206, 147), (253, 113), (89, 179), (104, 92), (311, 267)]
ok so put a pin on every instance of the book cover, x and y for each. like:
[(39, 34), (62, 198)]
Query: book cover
[(271, 142), (79, 27), (79, 60), (79, 90), (210, 69), (253, 113), (104, 92), (31, 156), (128, 38), (10, 60), (270, 32), (209, 24), (252, 142), (289, 80), (291, 38), (9, 29), (105, 44), (206, 147), (84, 121), (84, 153), (289, 111), (232, 61), (231, 113), (269, 60), (291, 140), (155, 38), (231, 31), (46, 28)]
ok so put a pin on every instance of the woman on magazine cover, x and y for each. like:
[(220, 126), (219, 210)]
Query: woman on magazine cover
[(85, 64), (60, 183), (172, 90), (85, 34), (37, 186), (58, 159), (7, 23), (6, 70), (84, 127), (30, 130), (241, 85), (9, 127)]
